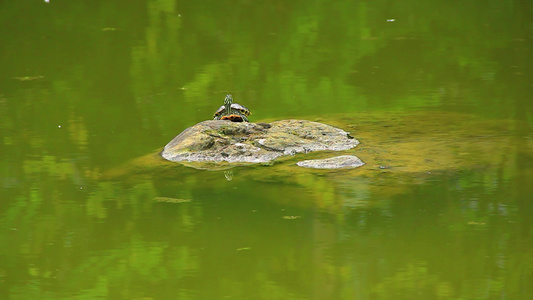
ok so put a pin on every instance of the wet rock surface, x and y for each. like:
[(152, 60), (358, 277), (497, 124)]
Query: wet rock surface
[(254, 142), (337, 162)]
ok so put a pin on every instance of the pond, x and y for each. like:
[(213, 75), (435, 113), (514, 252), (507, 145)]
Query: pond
[(439, 94)]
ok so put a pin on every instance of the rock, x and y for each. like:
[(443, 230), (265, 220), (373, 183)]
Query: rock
[(343, 161), (254, 142)]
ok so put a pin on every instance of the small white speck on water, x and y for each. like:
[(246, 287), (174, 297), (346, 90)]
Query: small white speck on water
[(58, 126), (391, 20), (81, 188)]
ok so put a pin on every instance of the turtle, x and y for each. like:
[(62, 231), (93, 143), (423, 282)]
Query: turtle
[(232, 118), (232, 111)]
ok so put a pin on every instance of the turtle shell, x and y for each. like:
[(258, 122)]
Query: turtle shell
[(219, 112), (241, 108)]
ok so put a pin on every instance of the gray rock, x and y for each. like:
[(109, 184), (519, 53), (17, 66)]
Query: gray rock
[(254, 142), (343, 161)]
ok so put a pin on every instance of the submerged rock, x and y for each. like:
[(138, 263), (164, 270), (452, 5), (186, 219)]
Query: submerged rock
[(254, 142), (343, 161)]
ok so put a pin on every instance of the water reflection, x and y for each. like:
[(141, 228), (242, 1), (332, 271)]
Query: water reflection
[(228, 175)]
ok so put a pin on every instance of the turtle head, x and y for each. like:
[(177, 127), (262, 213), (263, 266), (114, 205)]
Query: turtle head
[(228, 101)]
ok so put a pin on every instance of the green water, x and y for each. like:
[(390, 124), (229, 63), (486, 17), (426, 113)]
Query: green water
[(439, 93)]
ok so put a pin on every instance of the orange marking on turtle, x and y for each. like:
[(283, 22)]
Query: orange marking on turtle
[(232, 118)]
